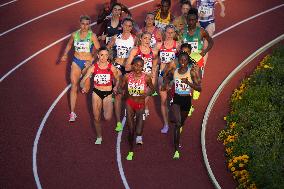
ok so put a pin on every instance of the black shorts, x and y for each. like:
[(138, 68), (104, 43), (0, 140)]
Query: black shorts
[(183, 101), (102, 94)]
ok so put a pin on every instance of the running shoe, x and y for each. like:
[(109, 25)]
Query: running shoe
[(147, 112), (196, 95), (176, 155), (139, 140), (72, 117), (118, 127), (190, 111), (130, 156), (165, 129), (99, 140)]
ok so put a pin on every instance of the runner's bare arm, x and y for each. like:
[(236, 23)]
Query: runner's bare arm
[(193, 3), (196, 82), (117, 79), (205, 35), (67, 49), (155, 62), (222, 12), (96, 41), (150, 85), (132, 54), (112, 42), (86, 81)]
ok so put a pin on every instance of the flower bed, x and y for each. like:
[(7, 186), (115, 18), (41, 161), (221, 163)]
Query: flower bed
[(254, 135)]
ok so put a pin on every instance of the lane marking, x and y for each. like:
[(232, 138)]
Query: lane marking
[(215, 97), (118, 155), (248, 19), (35, 172), (42, 124), (43, 15), (8, 3)]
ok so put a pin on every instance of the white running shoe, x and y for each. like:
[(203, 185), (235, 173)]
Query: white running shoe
[(147, 112), (165, 129), (72, 117), (99, 140), (139, 140)]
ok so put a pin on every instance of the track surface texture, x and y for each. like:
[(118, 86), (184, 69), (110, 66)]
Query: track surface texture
[(66, 155)]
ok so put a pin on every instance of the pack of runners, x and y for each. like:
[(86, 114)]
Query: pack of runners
[(125, 64)]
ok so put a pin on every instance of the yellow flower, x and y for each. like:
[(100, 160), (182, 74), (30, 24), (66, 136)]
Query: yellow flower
[(225, 118), (246, 156), (245, 161), (230, 165), (233, 169), (267, 66), (241, 165), (232, 125)]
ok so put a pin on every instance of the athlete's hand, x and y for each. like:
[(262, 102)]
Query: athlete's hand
[(222, 13), (184, 80), (115, 91), (102, 37), (63, 58), (88, 63)]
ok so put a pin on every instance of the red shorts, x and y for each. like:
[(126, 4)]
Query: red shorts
[(200, 63), (135, 105)]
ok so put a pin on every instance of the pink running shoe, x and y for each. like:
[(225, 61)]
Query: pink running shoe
[(72, 117)]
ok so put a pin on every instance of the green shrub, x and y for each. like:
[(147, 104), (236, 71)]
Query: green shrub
[(257, 111)]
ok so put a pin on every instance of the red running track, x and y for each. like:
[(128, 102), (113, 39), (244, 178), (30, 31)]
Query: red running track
[(67, 156)]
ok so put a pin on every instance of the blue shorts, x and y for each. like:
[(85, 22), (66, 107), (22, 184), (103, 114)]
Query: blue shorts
[(206, 23), (80, 63)]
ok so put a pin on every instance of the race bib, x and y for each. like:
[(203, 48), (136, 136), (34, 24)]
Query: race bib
[(81, 46), (205, 11), (147, 65), (167, 57), (102, 79), (160, 25), (122, 52), (153, 41), (181, 88), (194, 46), (135, 89)]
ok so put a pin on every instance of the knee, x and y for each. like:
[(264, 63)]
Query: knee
[(74, 86), (97, 119), (108, 117)]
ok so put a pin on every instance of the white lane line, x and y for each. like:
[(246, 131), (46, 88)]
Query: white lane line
[(43, 15), (248, 19), (215, 97), (118, 156), (63, 38), (38, 134), (8, 3), (35, 172)]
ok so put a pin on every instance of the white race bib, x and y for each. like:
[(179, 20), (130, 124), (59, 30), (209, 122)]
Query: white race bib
[(82, 46), (167, 57), (102, 79), (181, 88), (135, 89), (122, 52), (205, 11), (194, 46)]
